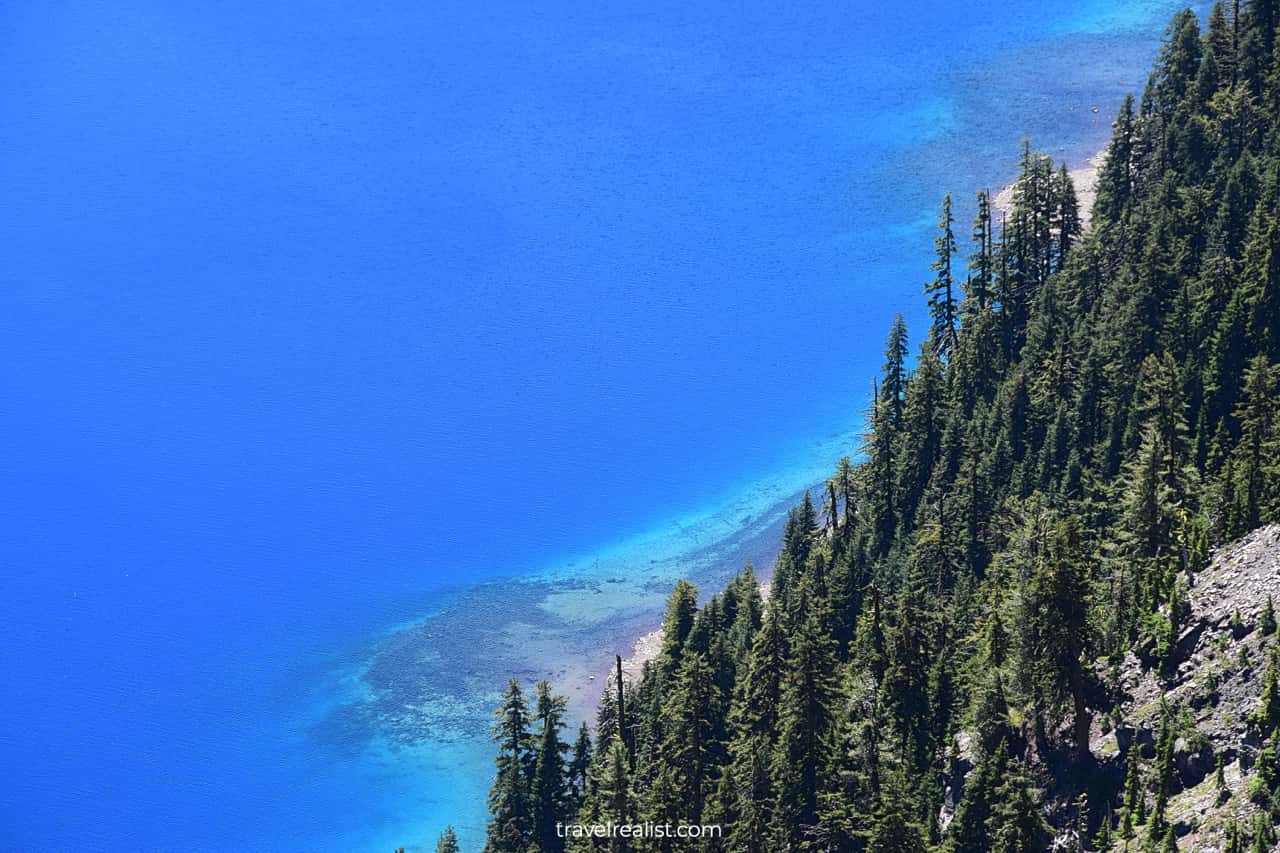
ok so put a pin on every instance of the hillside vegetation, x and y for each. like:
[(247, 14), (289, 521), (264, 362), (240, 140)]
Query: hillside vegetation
[(1016, 621)]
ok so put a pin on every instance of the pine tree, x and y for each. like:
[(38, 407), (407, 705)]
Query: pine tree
[(806, 724), (893, 832), (748, 796), (1263, 834), (894, 372), (746, 790), (550, 790), (614, 802), (980, 293), (1134, 797), (510, 829), (1064, 631), (579, 767), (1066, 216), (690, 745), (1268, 713), (1164, 776), (1015, 824), (682, 607), (745, 617), (905, 687), (1116, 177), (448, 841), (1258, 421), (971, 830), (756, 712), (942, 302), (1039, 491)]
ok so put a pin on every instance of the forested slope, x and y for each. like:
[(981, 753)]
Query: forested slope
[(983, 636)]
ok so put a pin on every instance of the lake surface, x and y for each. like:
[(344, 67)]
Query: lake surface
[(356, 356)]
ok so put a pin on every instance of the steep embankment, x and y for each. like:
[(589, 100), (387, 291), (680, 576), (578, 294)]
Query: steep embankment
[(1211, 696), (1221, 659)]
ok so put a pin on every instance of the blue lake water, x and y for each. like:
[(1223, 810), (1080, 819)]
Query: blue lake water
[(313, 316)]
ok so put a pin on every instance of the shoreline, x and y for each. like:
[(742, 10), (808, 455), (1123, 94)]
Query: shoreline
[(439, 678), (1084, 178), (647, 646)]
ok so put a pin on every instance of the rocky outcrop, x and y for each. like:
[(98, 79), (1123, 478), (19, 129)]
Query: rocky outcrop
[(1220, 657)]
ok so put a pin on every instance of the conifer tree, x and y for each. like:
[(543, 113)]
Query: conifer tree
[(550, 789), (1102, 840), (1164, 776), (806, 723), (979, 292), (1116, 177), (1263, 834), (971, 830), (1064, 631), (579, 768), (614, 802), (893, 832), (942, 301), (1016, 825), (905, 687), (690, 746), (1134, 797), (1074, 440), (448, 841), (510, 828), (682, 607), (748, 797), (1268, 713), (894, 384), (1258, 420), (1066, 216)]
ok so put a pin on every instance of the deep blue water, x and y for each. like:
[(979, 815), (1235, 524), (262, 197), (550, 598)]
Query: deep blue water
[(313, 314)]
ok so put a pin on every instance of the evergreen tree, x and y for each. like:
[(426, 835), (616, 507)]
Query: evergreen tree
[(806, 723), (1015, 825), (614, 801), (1103, 840), (979, 293), (971, 830), (893, 832), (942, 302), (1134, 797), (894, 384), (1257, 448), (550, 790), (1268, 713), (579, 767), (1263, 834), (510, 828), (448, 841), (677, 624), (1066, 216), (1164, 776), (690, 746), (1116, 178)]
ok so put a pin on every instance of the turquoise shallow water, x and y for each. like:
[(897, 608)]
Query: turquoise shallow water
[(355, 357)]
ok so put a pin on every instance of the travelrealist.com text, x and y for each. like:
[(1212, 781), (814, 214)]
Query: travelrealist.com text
[(638, 830)]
